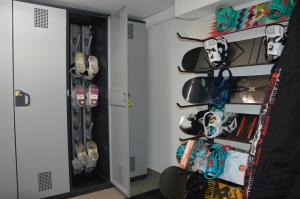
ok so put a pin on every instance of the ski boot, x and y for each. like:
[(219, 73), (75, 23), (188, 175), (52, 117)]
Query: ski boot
[(79, 95), (79, 64), (81, 159), (93, 155), (93, 67), (81, 154), (92, 96)]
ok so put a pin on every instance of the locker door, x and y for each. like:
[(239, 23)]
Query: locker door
[(40, 100), (118, 84), (8, 178)]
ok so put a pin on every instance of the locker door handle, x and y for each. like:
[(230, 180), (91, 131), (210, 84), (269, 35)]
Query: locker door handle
[(20, 98), (28, 99)]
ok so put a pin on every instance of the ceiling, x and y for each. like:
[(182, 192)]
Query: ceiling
[(138, 9)]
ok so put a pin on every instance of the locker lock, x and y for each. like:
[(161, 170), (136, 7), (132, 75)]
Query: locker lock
[(22, 98)]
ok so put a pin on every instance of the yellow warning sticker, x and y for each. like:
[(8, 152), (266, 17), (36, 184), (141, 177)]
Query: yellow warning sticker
[(130, 103)]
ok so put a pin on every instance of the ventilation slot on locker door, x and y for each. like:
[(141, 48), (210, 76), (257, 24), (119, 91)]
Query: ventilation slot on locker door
[(132, 163), (40, 18), (130, 31), (45, 181)]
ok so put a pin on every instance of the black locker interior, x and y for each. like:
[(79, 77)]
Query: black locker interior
[(99, 48)]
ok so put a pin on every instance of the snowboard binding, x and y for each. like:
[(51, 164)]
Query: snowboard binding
[(216, 49), (191, 123), (216, 162), (195, 186), (222, 89), (212, 122), (275, 40)]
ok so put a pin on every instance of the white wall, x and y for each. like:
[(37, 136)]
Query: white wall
[(164, 84), (163, 87)]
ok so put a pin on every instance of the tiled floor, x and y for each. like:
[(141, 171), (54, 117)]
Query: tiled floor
[(144, 185), (111, 193), (137, 187)]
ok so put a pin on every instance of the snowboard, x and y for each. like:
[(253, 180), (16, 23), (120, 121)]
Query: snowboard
[(249, 90), (241, 53), (195, 155), (247, 18), (239, 127)]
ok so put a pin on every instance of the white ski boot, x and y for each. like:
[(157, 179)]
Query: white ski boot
[(93, 155), (79, 95), (93, 67), (79, 64), (92, 96), (81, 154)]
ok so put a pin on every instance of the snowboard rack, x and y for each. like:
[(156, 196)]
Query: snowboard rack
[(191, 105), (208, 104), (196, 72), (189, 38), (190, 138)]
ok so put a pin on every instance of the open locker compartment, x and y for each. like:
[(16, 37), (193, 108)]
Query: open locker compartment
[(99, 177)]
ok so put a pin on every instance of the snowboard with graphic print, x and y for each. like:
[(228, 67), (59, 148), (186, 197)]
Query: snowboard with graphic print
[(237, 127), (193, 155), (270, 12), (241, 53), (227, 20)]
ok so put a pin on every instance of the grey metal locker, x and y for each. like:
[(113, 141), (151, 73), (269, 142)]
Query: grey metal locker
[(118, 108), (137, 90), (41, 101), (8, 179)]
